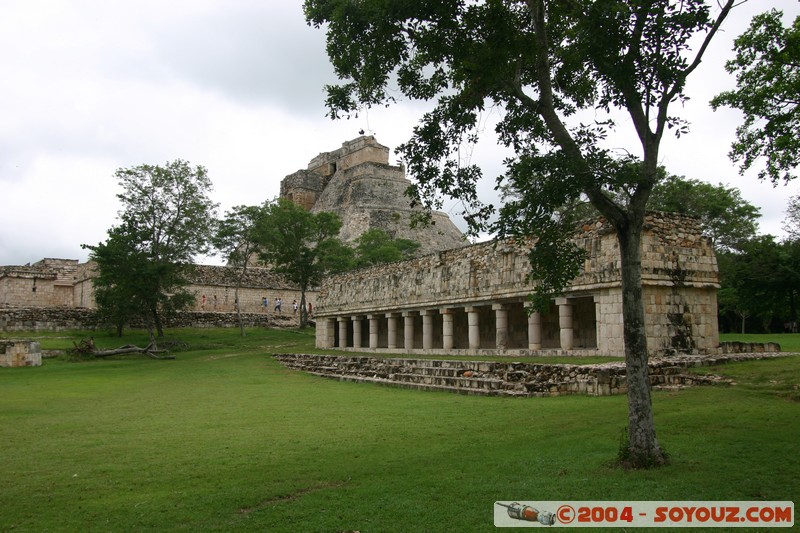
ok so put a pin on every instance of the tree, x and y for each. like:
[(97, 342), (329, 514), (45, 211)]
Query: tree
[(541, 63), (767, 69), (301, 245), (761, 281), (236, 238), (166, 219), (791, 224), (121, 277), (375, 246), (727, 218)]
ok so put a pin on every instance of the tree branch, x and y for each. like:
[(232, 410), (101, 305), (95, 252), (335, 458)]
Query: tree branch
[(545, 107)]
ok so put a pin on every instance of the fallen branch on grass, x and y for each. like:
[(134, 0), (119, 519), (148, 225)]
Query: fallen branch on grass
[(87, 347)]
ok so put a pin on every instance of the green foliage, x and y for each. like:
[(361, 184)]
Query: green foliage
[(142, 268), (375, 246), (169, 208), (300, 245), (767, 69), (122, 279), (725, 216), (237, 233), (761, 282), (236, 238), (791, 224)]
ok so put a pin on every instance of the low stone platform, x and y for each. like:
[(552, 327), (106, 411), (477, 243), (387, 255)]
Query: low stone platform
[(508, 379), (20, 352)]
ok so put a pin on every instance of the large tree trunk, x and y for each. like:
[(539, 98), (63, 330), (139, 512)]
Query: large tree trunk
[(157, 321), (643, 449), (303, 310)]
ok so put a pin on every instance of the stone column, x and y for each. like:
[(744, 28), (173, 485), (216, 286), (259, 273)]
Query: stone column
[(342, 331), (330, 332), (427, 328), (408, 330), (325, 332), (392, 325), (535, 331), (356, 331), (447, 329), (320, 338), (501, 326), (565, 323), (474, 330), (373, 330)]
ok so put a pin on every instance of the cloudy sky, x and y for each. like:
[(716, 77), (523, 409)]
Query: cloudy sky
[(90, 86)]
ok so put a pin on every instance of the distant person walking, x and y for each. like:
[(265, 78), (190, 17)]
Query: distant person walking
[(278, 303)]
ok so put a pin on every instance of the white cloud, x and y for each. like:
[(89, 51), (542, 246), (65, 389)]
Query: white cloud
[(91, 86)]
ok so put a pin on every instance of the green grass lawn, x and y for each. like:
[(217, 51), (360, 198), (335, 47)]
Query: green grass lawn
[(223, 438)]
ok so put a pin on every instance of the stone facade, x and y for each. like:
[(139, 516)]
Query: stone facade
[(64, 318), (471, 299), (46, 283), (218, 285), (513, 378), (47, 318), (357, 183), (67, 284), (19, 352)]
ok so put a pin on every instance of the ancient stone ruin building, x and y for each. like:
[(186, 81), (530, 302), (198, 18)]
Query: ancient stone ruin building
[(47, 283), (473, 298), (454, 299), (66, 283), (357, 183)]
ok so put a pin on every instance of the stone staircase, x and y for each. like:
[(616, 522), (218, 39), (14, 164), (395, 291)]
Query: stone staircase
[(506, 378)]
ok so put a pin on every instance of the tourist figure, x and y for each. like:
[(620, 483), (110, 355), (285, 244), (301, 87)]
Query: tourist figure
[(265, 303), (215, 302), (294, 307), (278, 303), (203, 303), (310, 312)]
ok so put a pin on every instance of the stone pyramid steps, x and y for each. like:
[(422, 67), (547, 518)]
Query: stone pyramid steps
[(515, 379), (466, 377)]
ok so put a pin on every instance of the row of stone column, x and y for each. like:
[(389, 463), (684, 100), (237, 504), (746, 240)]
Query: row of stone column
[(327, 339)]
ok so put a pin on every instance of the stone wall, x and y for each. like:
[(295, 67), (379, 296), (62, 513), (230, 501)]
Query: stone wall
[(679, 276), (218, 285), (357, 183), (496, 270), (59, 319), (46, 283), (303, 187), (47, 318), (674, 253), (354, 152), (372, 196), (65, 283), (508, 378), (20, 352)]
